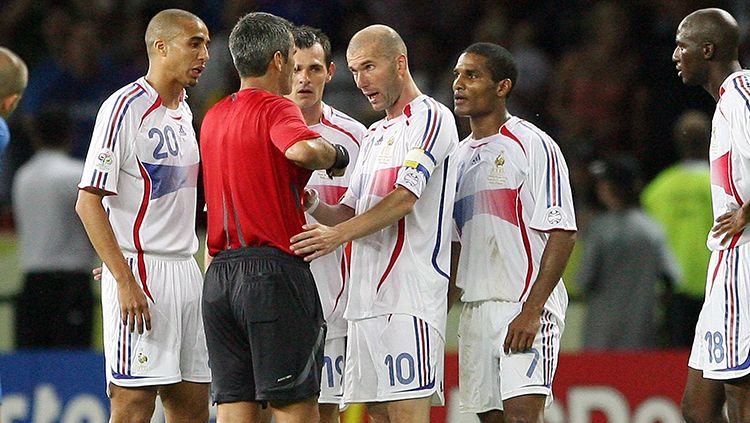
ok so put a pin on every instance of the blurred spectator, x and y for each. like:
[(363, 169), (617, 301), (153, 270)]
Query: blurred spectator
[(679, 198), (54, 308), (625, 257), (80, 86), (596, 98)]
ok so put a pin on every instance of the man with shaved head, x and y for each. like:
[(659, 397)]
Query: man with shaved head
[(397, 213), (13, 78), (719, 366), (137, 201)]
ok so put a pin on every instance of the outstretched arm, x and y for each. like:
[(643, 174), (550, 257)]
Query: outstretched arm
[(524, 327), (318, 240)]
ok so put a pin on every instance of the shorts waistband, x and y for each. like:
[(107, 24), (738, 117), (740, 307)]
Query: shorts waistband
[(264, 252), (157, 257)]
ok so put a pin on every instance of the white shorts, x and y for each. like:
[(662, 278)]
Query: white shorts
[(332, 377), (393, 357), (721, 347), (487, 375), (174, 350)]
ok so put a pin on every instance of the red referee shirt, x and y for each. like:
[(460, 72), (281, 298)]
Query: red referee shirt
[(253, 193)]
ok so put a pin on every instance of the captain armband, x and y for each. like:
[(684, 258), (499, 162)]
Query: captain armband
[(420, 160)]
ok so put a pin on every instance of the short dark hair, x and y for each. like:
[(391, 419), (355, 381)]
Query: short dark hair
[(255, 39), (306, 37), (499, 61), (624, 175)]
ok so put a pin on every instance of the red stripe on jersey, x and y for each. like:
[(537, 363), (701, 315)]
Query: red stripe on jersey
[(506, 132), (116, 115), (330, 124), (720, 173), (384, 181), (553, 176), (396, 251), (432, 124), (716, 270), (137, 229), (124, 347), (345, 261), (153, 107), (742, 84), (732, 310), (527, 249), (730, 171), (500, 203), (407, 110)]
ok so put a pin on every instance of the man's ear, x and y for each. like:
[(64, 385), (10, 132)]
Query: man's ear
[(160, 47), (8, 104), (504, 87), (331, 71), (278, 60), (708, 50)]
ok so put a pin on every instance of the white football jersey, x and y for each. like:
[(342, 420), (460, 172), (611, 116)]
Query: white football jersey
[(146, 156), (331, 271), (730, 152), (512, 187), (404, 268)]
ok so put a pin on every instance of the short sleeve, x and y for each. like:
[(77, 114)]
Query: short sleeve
[(431, 138), (116, 125), (287, 125), (550, 182), (739, 126)]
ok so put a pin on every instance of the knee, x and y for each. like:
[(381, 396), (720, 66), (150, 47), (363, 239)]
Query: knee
[(197, 413), (524, 416), (695, 413)]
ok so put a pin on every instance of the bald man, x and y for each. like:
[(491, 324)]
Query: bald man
[(397, 213), (707, 55), (13, 78), (137, 201)]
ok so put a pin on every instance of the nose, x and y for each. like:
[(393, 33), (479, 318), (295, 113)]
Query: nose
[(675, 54), (360, 80), (458, 83), (204, 53)]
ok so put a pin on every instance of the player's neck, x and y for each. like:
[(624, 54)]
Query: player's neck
[(717, 76), (169, 90), (486, 125), (313, 114), (408, 94)]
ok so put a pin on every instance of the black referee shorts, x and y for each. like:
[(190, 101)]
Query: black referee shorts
[(264, 325)]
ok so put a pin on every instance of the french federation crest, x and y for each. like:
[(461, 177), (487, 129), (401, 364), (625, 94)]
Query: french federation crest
[(497, 174)]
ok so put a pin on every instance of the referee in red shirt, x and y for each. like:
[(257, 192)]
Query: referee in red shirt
[(264, 325)]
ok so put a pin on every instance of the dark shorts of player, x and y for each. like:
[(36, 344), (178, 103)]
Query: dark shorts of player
[(55, 310), (264, 325)]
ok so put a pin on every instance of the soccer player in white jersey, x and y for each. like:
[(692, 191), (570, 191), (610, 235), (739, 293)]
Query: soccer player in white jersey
[(313, 69), (516, 225), (707, 55), (137, 202), (397, 213)]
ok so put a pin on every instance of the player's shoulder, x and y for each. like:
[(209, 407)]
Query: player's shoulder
[(736, 88), (526, 134), (340, 121), (426, 107), (134, 97)]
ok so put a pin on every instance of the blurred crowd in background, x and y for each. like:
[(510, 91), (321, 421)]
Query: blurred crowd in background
[(596, 75)]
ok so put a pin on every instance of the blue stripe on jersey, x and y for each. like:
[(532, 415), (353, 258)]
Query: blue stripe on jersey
[(419, 355), (166, 179), (121, 376), (436, 251), (125, 93), (427, 127), (463, 211), (737, 305), (549, 176), (739, 90)]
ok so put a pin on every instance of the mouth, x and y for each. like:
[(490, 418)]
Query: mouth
[(197, 71), (371, 96), (459, 99), (304, 91)]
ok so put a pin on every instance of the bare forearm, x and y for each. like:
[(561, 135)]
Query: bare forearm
[(332, 214), (312, 154), (96, 223), (554, 259), (454, 292), (397, 204)]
